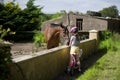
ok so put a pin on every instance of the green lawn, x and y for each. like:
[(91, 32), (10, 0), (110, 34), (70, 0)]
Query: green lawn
[(106, 68)]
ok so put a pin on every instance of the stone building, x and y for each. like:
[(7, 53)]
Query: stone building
[(86, 23)]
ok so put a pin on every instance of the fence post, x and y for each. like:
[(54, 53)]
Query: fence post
[(93, 34)]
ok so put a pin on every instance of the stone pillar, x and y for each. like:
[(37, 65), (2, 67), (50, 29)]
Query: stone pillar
[(93, 34)]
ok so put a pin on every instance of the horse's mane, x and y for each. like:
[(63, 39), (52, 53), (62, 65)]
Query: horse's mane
[(55, 25)]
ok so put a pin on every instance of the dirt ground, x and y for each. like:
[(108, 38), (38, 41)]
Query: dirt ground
[(21, 49)]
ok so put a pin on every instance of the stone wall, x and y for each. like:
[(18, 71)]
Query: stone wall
[(48, 64), (89, 22), (43, 65)]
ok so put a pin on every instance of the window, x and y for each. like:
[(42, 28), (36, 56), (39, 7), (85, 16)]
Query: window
[(79, 23)]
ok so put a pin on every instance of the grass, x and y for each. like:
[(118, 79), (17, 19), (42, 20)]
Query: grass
[(108, 66)]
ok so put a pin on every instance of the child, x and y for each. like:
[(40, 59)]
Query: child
[(75, 43)]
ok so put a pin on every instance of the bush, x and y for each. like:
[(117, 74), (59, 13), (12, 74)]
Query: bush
[(105, 35), (115, 39), (21, 37), (5, 60), (108, 40), (5, 32), (38, 39)]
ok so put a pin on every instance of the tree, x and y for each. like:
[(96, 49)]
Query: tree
[(63, 12), (93, 13), (33, 16), (8, 14), (29, 19), (111, 11)]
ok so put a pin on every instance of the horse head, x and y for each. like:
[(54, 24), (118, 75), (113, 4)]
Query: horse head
[(55, 33), (65, 35)]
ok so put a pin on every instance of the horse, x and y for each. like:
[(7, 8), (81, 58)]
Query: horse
[(54, 33)]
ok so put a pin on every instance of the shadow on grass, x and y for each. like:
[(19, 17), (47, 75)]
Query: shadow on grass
[(85, 64)]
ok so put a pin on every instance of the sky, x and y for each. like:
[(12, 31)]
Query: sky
[(53, 6)]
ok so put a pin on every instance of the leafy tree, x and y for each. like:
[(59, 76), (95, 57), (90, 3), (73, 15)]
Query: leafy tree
[(16, 19), (33, 16), (63, 12), (93, 13), (29, 19), (8, 14), (111, 11)]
